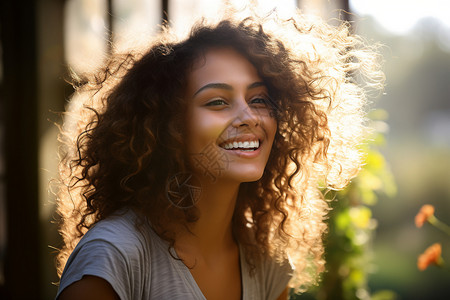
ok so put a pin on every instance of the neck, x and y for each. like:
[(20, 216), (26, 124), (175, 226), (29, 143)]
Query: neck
[(212, 232)]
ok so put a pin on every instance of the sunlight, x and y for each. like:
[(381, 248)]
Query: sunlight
[(399, 16), (183, 12), (86, 34)]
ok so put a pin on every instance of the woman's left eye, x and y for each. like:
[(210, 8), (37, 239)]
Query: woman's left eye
[(216, 102), (260, 101)]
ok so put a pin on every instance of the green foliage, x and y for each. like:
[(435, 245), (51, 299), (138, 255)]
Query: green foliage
[(351, 227)]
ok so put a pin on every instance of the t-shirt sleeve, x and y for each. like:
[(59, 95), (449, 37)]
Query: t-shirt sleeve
[(98, 258), (277, 279)]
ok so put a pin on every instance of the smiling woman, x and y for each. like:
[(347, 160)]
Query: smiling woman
[(191, 168), (229, 108)]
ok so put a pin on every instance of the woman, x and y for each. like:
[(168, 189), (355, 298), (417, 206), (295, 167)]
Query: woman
[(192, 170)]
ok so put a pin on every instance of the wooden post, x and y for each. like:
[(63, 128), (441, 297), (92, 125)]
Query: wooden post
[(19, 93)]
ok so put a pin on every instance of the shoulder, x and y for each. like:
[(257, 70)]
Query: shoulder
[(112, 228), (122, 233), (277, 274), (271, 266), (116, 250), (269, 279)]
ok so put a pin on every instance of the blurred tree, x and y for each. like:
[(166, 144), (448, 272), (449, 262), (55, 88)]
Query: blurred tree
[(351, 226)]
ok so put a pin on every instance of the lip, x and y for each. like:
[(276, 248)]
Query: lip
[(243, 138), (244, 154)]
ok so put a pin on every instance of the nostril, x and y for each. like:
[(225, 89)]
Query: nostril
[(246, 117)]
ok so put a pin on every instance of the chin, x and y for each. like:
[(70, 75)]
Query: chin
[(245, 174)]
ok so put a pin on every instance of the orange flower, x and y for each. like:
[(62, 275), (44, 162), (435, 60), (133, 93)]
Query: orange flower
[(431, 256), (424, 214)]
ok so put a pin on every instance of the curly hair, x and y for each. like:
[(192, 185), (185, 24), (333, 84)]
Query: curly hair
[(123, 134)]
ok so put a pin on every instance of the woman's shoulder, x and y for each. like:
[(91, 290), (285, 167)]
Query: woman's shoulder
[(122, 238), (122, 229), (115, 249), (269, 278)]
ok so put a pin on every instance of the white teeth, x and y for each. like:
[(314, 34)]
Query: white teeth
[(242, 145)]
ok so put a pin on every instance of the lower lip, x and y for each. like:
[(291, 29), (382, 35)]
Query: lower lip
[(245, 154)]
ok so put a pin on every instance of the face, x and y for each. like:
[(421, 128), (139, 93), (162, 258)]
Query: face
[(230, 125)]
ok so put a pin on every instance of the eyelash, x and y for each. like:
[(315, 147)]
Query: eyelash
[(214, 102), (262, 100)]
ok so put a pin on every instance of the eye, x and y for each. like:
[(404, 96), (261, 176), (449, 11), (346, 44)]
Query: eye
[(260, 101), (216, 102)]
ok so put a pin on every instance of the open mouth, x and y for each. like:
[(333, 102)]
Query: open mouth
[(241, 146)]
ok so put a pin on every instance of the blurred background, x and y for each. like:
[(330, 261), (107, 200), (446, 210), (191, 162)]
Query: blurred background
[(41, 40)]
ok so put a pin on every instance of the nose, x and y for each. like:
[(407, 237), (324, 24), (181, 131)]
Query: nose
[(246, 116)]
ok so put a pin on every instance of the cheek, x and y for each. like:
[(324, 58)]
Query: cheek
[(271, 128), (203, 128)]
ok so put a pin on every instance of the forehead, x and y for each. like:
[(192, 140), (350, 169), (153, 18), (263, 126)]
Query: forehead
[(224, 65), (216, 55)]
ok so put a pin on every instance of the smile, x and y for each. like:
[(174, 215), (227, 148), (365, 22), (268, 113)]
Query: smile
[(242, 146)]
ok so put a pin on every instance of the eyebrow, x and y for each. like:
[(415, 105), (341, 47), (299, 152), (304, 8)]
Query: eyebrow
[(227, 87)]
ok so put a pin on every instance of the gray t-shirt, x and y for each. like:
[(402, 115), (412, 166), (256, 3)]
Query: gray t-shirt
[(138, 265)]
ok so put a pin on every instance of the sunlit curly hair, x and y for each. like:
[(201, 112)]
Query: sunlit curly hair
[(123, 134)]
